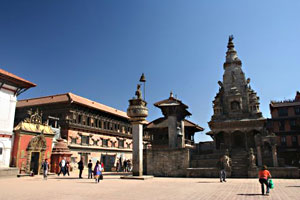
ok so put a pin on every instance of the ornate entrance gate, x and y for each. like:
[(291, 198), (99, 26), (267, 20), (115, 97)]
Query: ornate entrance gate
[(36, 149)]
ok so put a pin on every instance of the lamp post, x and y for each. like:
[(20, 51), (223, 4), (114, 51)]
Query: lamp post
[(143, 79)]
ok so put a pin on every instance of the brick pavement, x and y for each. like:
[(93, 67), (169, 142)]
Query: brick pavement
[(114, 188)]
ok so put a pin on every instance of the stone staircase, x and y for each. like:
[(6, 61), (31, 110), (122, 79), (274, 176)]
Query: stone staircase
[(205, 165), (239, 160)]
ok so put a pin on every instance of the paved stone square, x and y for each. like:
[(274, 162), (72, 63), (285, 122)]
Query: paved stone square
[(114, 188)]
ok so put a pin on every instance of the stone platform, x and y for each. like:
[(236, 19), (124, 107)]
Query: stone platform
[(8, 172)]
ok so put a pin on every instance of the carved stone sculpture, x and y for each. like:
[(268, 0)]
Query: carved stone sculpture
[(252, 159), (138, 92)]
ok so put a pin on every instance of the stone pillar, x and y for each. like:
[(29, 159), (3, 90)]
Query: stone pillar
[(137, 158), (259, 158), (137, 111), (183, 135), (172, 131), (274, 156)]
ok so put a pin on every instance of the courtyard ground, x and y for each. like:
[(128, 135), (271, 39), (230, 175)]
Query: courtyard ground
[(114, 188)]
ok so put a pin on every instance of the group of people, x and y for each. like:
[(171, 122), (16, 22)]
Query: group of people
[(124, 166), (64, 167), (97, 171)]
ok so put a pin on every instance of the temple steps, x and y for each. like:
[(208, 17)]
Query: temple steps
[(239, 160)]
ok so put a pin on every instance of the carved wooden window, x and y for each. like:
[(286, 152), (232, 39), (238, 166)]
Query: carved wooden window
[(121, 143), (297, 110), (113, 144), (282, 112), (105, 142), (85, 140), (79, 119), (88, 121), (110, 126), (73, 140), (294, 140), (282, 125)]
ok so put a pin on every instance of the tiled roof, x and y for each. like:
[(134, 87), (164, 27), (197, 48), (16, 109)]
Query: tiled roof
[(170, 101), (20, 82), (163, 123), (71, 98)]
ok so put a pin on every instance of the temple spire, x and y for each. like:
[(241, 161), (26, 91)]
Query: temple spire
[(231, 54)]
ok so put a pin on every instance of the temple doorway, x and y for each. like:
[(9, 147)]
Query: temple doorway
[(238, 140), (34, 162)]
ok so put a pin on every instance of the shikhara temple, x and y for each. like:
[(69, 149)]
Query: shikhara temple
[(76, 128)]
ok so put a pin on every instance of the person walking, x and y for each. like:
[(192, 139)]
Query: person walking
[(90, 169), (125, 165), (62, 165), (264, 176), (45, 167), (67, 171), (98, 172), (80, 167), (222, 171)]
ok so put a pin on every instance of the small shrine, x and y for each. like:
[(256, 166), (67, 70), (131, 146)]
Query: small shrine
[(172, 130), (32, 143), (59, 152)]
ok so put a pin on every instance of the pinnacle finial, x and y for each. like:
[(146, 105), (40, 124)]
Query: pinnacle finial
[(230, 43), (171, 94)]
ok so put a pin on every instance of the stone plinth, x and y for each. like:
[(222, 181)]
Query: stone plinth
[(167, 162)]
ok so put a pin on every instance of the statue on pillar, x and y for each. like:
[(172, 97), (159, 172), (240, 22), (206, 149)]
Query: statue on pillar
[(138, 92)]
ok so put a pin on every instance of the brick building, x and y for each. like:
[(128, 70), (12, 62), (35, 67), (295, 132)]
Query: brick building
[(286, 125), (92, 130)]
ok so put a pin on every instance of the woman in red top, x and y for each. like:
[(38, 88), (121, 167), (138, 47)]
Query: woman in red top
[(264, 175)]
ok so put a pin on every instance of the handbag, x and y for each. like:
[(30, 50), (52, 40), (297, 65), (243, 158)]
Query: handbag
[(271, 184), (101, 177)]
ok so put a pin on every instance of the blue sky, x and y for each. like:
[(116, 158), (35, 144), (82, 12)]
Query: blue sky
[(98, 49)]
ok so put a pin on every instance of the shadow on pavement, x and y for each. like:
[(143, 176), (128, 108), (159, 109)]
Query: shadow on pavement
[(65, 178), (205, 182), (250, 194), (293, 186)]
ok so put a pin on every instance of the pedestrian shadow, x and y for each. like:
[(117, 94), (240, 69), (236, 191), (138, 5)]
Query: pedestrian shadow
[(64, 178), (205, 182), (293, 186), (89, 182), (249, 194)]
